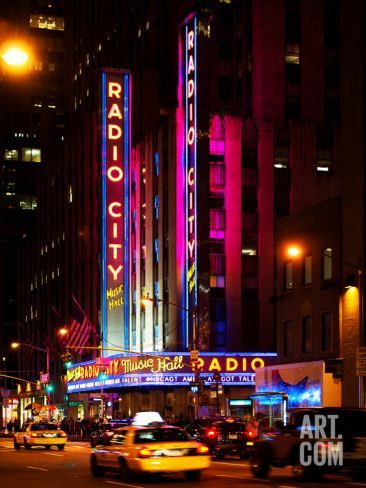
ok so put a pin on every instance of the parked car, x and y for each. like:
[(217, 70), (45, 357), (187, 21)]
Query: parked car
[(226, 436), (104, 432), (46, 434), (313, 449)]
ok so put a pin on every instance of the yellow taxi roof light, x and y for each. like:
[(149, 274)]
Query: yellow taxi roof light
[(143, 419)]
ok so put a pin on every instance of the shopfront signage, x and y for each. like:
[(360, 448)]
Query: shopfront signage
[(168, 369)]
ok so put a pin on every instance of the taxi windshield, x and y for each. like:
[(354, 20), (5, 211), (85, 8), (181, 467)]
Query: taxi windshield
[(160, 435), (44, 427)]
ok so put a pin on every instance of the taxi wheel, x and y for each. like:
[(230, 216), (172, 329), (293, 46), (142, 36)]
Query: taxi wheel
[(48, 447), (124, 471), (96, 470), (193, 475), (26, 445), (16, 445), (61, 448)]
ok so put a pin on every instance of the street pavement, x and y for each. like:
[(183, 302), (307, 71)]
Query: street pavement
[(38, 468)]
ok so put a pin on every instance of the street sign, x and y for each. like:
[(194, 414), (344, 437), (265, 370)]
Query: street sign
[(361, 361)]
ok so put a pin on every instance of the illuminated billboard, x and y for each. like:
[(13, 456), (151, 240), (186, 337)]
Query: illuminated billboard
[(187, 170), (168, 369), (116, 100)]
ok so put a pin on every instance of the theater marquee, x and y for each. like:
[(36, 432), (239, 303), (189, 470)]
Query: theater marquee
[(115, 206), (168, 369)]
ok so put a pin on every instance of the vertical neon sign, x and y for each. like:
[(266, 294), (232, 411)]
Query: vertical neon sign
[(115, 207), (188, 103)]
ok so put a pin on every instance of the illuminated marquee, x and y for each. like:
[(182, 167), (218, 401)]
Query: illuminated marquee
[(115, 170), (170, 368)]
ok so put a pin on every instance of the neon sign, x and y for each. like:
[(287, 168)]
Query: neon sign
[(115, 203), (187, 95), (169, 368)]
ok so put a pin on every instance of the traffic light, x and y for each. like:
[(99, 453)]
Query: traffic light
[(49, 388), (66, 359), (102, 376)]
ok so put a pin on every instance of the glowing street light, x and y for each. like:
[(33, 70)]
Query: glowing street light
[(15, 56), (294, 251)]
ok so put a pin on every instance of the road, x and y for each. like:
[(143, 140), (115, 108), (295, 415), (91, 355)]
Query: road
[(39, 468)]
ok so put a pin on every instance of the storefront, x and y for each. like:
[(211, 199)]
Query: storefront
[(122, 385)]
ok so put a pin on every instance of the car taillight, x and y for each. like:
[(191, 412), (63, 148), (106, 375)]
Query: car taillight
[(202, 450), (145, 452), (211, 433), (109, 433), (250, 434)]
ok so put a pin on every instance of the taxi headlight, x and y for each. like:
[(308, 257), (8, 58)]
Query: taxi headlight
[(202, 450), (34, 434), (63, 434), (144, 452)]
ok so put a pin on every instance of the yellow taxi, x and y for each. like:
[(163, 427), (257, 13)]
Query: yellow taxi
[(45, 434), (151, 448)]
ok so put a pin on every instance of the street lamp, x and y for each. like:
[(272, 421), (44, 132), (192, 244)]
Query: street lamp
[(16, 345), (15, 56)]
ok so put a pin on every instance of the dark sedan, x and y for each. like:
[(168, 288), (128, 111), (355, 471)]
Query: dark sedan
[(104, 432)]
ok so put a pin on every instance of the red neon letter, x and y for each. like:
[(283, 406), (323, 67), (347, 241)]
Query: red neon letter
[(191, 248), (190, 64), (190, 39), (118, 171), (190, 223), (191, 176), (190, 136), (114, 90), (111, 211), (190, 88)]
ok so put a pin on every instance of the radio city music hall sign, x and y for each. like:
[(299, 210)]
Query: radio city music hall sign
[(115, 166), (166, 364)]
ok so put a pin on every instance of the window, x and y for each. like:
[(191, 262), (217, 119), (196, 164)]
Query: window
[(288, 279), (38, 21), (31, 154), (217, 264), (287, 338), (217, 219), (217, 175), (326, 331), (119, 437), (307, 270), (11, 154), (327, 257), (306, 335)]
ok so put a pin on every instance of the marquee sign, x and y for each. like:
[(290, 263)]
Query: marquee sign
[(167, 369), (115, 202)]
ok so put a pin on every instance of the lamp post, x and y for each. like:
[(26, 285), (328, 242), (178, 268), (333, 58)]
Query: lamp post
[(16, 345)]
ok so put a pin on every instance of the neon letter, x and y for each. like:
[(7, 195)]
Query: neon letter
[(114, 131), (190, 88), (111, 211), (214, 365), (115, 248), (231, 364), (115, 112), (190, 64), (191, 176), (115, 271), (191, 248), (190, 220), (190, 136), (114, 90), (118, 171), (190, 39)]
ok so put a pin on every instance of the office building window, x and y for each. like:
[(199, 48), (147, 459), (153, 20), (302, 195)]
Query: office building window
[(326, 331), (288, 276), (217, 219), (39, 21), (11, 154), (31, 154), (307, 270), (287, 338), (327, 258), (307, 336)]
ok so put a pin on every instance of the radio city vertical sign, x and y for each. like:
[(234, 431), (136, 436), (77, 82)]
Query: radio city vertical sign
[(116, 99), (188, 103)]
